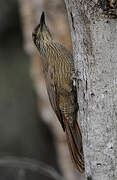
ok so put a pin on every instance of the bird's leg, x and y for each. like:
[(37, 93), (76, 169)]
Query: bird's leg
[(75, 78)]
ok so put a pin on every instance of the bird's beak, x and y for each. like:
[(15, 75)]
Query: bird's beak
[(42, 20)]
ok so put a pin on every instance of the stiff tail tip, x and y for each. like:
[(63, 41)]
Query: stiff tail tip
[(74, 140)]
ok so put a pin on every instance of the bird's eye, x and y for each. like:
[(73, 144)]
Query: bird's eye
[(34, 36)]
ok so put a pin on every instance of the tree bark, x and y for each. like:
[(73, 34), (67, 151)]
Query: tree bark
[(94, 39)]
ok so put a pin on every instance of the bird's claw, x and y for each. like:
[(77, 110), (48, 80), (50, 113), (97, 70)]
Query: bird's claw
[(74, 78)]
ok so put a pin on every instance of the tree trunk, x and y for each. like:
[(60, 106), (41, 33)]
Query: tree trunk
[(94, 38)]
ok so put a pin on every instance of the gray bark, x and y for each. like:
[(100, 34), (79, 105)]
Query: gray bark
[(94, 38)]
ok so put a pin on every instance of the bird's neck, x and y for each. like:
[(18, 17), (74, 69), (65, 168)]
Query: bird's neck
[(46, 48)]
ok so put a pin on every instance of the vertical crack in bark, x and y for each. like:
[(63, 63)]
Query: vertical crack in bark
[(89, 178), (72, 20)]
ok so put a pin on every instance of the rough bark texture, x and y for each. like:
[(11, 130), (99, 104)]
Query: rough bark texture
[(94, 39)]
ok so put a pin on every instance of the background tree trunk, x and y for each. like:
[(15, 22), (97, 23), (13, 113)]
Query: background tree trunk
[(94, 38)]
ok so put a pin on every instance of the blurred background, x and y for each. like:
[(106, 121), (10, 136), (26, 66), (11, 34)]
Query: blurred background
[(32, 143)]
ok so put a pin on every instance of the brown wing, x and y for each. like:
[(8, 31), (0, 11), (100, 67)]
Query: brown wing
[(68, 58), (53, 97)]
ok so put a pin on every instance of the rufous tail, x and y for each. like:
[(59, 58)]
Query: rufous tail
[(74, 140)]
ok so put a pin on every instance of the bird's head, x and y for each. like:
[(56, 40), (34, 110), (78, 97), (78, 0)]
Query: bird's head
[(41, 33)]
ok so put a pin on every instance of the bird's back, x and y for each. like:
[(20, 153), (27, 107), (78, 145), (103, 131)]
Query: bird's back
[(58, 65)]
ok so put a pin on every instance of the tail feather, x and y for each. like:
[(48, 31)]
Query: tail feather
[(74, 140)]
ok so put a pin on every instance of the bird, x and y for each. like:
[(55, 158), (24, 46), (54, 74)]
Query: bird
[(58, 68)]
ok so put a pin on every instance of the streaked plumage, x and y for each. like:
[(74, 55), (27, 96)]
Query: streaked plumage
[(58, 69)]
